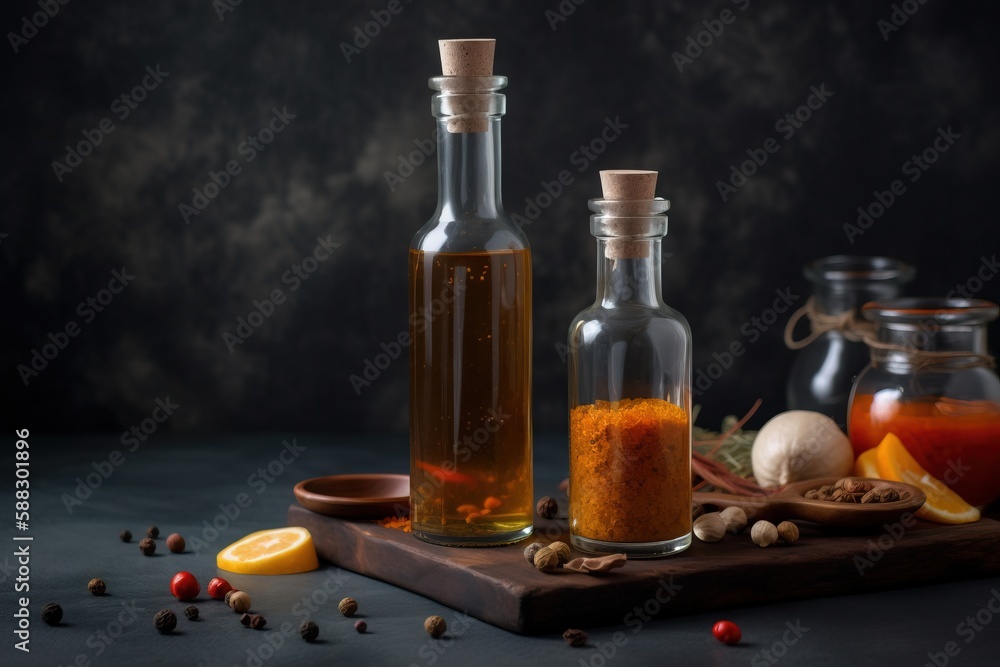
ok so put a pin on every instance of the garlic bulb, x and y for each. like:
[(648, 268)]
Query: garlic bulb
[(798, 445)]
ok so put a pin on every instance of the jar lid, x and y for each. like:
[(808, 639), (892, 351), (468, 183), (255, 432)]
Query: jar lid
[(918, 310), (858, 268)]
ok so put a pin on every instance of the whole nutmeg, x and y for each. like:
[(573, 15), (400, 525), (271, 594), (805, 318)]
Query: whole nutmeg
[(165, 621), (348, 606), (52, 614), (764, 533), (125, 536), (309, 631), (239, 602), (147, 546), (735, 518), (547, 508), (546, 559), (360, 626), (152, 532), (96, 586), (788, 532), (531, 550), (562, 550), (435, 626), (191, 612), (175, 542), (575, 638), (709, 527)]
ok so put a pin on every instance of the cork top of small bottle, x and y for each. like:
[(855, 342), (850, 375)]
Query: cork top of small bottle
[(468, 61), (628, 199), (467, 57)]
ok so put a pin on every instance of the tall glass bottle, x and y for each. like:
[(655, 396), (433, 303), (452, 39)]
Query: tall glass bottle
[(470, 305), (630, 387), (834, 353)]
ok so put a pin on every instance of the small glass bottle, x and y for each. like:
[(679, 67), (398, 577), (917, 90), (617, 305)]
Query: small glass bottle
[(932, 384), (629, 387), (834, 353), (470, 322)]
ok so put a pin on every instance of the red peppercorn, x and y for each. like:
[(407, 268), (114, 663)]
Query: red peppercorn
[(218, 587), (184, 586), (727, 632)]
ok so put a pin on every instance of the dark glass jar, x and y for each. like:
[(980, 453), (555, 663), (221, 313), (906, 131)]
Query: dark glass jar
[(834, 353), (931, 383)]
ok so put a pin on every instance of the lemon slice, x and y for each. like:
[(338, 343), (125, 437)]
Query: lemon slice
[(867, 464), (276, 551), (943, 505)]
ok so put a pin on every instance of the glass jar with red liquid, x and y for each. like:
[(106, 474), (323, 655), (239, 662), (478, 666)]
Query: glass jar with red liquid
[(932, 383)]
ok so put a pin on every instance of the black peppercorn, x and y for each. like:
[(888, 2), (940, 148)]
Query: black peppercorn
[(575, 638), (257, 622), (52, 614), (309, 631), (165, 621), (245, 619), (361, 626), (152, 532), (147, 546), (547, 508), (96, 586), (191, 612), (126, 536)]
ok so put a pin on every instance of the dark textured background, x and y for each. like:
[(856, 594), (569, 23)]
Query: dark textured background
[(324, 174)]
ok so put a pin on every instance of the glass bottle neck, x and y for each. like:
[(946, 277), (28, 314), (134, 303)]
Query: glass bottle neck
[(632, 280), (469, 173)]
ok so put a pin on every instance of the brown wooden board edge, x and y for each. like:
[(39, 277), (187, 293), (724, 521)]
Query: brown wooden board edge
[(652, 589)]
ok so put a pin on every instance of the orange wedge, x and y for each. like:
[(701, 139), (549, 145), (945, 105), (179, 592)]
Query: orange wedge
[(277, 551), (943, 505), (867, 464)]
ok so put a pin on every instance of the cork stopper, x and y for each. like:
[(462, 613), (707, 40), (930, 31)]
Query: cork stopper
[(465, 59), (634, 188)]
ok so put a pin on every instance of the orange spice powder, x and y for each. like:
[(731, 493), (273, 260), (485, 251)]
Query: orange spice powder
[(630, 471), (396, 523)]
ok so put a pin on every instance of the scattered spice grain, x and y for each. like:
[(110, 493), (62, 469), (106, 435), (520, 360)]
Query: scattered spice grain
[(348, 606), (52, 614), (396, 523), (309, 631), (96, 586), (165, 621), (435, 626), (147, 546)]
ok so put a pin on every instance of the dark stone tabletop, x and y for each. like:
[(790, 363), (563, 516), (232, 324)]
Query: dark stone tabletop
[(186, 485)]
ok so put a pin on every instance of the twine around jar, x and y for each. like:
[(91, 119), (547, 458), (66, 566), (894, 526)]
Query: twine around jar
[(847, 323), (921, 359), (858, 330)]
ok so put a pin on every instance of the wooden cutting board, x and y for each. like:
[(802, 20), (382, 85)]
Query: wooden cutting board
[(498, 586)]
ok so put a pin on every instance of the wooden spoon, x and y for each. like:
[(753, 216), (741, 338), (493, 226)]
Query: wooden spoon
[(790, 503)]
